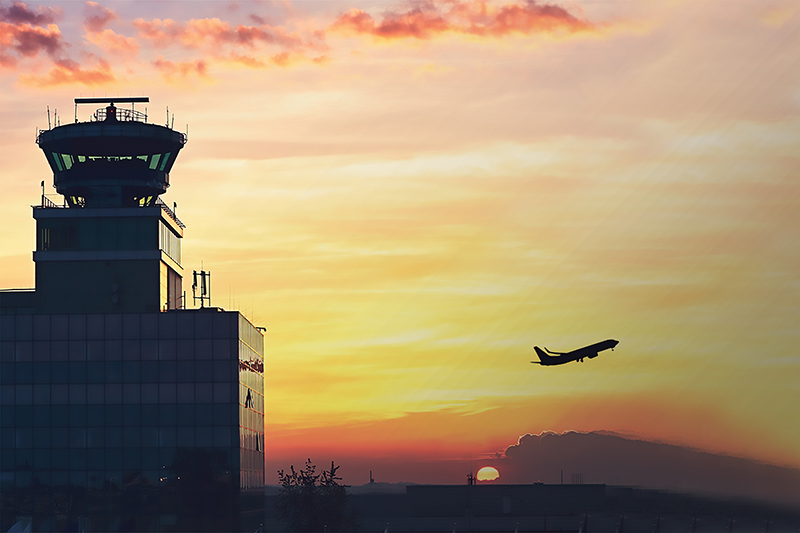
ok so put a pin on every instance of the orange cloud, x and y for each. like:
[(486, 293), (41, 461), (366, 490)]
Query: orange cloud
[(479, 18), (113, 43), (172, 70), (248, 61), (97, 17), (212, 32), (67, 71)]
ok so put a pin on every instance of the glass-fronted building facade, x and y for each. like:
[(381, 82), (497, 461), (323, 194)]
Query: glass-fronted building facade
[(131, 422)]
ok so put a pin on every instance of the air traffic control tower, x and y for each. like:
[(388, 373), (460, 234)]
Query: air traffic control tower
[(121, 409), (117, 247)]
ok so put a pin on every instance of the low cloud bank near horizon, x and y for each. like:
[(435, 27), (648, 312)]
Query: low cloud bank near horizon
[(600, 457)]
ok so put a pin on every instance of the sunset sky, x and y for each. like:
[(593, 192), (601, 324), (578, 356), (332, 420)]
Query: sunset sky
[(411, 195)]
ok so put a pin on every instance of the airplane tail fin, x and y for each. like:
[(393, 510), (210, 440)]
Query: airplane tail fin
[(542, 356)]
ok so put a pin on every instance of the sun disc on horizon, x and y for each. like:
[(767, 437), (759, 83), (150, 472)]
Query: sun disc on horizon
[(487, 473)]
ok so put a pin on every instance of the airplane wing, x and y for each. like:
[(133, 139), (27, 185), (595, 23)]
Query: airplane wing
[(554, 353)]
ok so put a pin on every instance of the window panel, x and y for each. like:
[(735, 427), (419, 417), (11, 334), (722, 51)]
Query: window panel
[(24, 373), (77, 438), (96, 460), (185, 392), (149, 393), (77, 393), (95, 437), (130, 393), (113, 415), (95, 415), (59, 414), (95, 372), (57, 160), (23, 394), (95, 394), (186, 415), (23, 438), (77, 415), (149, 436), (113, 393), (167, 392), (40, 418), (131, 437), (59, 438), (113, 437), (167, 437), (41, 394), (168, 415)]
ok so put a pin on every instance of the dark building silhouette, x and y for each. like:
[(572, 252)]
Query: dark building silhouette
[(539, 508), (120, 409)]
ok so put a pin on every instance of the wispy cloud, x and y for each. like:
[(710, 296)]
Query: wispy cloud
[(69, 72), (96, 17), (212, 32), (181, 70), (113, 43)]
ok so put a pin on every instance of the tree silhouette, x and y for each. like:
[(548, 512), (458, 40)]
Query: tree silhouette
[(311, 502)]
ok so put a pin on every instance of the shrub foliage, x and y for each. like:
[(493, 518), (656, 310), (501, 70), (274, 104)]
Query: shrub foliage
[(311, 502)]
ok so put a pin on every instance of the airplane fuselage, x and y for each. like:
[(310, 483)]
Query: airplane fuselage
[(548, 358)]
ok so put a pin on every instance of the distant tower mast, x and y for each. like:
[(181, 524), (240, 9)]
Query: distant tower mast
[(204, 286)]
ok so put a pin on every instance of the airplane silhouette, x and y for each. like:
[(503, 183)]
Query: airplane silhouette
[(559, 358)]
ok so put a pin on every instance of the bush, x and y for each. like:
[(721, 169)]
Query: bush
[(311, 502)]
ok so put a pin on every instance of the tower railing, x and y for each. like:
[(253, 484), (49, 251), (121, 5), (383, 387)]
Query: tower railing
[(170, 213), (47, 203), (123, 115), (50, 204)]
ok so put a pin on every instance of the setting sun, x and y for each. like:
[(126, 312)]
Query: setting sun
[(488, 473)]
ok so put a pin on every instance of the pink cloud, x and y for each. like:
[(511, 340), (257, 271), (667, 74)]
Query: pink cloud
[(212, 33), (26, 40), (181, 70), (18, 13), (480, 18), (97, 17)]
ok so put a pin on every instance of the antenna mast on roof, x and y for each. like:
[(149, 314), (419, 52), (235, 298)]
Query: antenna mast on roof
[(205, 287)]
